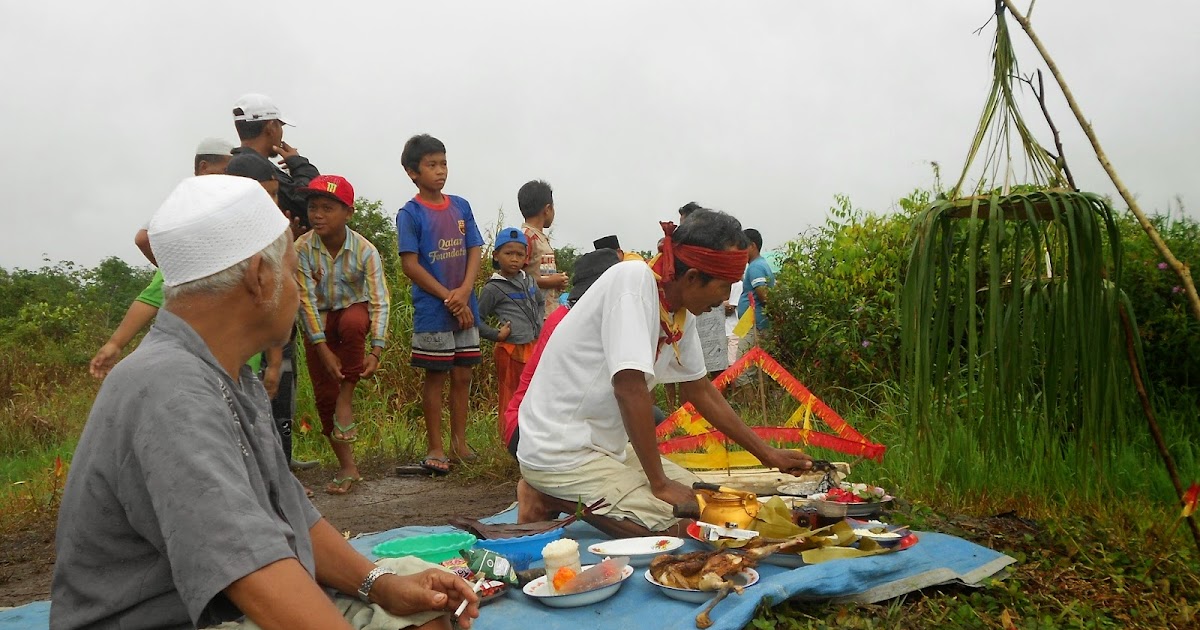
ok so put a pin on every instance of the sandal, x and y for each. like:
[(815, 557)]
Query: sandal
[(436, 465), (342, 486), (339, 430)]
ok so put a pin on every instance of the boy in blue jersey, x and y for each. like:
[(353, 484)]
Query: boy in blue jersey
[(439, 252)]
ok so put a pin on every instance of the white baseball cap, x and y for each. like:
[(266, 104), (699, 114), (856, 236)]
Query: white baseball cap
[(214, 146), (211, 223), (258, 107)]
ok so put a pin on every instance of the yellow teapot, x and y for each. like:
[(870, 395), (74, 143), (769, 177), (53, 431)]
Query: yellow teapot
[(721, 505)]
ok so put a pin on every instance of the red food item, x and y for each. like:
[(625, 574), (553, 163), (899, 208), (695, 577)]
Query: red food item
[(838, 495)]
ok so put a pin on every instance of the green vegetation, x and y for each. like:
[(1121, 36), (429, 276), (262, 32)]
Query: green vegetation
[(1111, 556)]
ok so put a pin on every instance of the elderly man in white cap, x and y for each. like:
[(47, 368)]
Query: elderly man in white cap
[(179, 510)]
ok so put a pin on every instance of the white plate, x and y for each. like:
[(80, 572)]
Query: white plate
[(538, 590), (640, 550), (747, 577)]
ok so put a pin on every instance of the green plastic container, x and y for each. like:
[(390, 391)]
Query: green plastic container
[(435, 548)]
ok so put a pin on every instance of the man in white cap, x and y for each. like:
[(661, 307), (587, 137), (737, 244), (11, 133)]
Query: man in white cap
[(179, 510), (212, 156), (259, 125)]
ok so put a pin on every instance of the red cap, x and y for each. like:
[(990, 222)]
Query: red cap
[(334, 186)]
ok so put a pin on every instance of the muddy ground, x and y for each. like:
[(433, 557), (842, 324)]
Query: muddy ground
[(382, 502)]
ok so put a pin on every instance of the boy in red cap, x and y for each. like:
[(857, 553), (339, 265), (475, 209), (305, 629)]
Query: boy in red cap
[(343, 299)]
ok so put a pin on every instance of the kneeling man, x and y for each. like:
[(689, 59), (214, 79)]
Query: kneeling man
[(586, 423), (179, 510)]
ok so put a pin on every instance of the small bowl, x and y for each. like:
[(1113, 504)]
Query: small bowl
[(521, 551), (891, 538), (639, 550), (745, 578), (435, 548), (538, 590)]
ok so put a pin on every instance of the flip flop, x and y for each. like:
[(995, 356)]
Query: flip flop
[(436, 465), (337, 486), (343, 430)]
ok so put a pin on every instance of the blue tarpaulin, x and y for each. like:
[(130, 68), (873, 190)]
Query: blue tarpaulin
[(936, 559)]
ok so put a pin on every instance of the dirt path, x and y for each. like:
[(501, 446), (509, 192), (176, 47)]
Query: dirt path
[(382, 502)]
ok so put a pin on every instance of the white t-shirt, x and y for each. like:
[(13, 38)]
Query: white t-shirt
[(731, 320), (569, 415)]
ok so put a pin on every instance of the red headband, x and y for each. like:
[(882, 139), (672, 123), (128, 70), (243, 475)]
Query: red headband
[(723, 264)]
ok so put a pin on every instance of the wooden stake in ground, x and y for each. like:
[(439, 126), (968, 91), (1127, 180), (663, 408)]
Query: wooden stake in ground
[(1181, 269)]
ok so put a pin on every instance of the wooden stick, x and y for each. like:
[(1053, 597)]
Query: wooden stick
[(1148, 409), (1181, 269)]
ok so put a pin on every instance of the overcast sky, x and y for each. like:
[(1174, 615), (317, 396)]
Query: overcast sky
[(628, 108)]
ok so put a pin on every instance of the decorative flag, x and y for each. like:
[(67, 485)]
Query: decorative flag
[(745, 323), (1190, 499)]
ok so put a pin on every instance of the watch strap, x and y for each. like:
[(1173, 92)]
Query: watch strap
[(364, 591)]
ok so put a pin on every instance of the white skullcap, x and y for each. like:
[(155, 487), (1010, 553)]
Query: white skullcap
[(214, 146), (211, 223)]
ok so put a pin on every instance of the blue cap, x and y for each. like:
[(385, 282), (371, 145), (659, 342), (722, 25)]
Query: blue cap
[(509, 235)]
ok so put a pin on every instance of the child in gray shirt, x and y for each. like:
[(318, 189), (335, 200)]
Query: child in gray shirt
[(513, 298)]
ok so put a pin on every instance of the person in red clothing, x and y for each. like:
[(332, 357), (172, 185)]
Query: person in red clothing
[(588, 269)]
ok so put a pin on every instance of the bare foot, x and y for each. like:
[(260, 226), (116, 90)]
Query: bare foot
[(533, 506)]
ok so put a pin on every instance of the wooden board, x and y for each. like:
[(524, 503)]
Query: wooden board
[(763, 481)]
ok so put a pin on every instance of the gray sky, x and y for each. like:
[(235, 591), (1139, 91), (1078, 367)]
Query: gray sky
[(628, 108)]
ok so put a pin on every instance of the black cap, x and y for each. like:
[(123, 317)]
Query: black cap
[(588, 268), (607, 242), (252, 165)]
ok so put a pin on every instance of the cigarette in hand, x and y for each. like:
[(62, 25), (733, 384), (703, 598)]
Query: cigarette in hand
[(474, 589)]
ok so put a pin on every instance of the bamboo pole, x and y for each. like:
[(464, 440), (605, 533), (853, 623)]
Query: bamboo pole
[(1148, 409), (1181, 269)]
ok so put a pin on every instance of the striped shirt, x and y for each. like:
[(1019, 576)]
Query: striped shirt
[(333, 282)]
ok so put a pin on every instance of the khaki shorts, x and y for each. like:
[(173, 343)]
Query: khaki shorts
[(363, 616), (623, 484)]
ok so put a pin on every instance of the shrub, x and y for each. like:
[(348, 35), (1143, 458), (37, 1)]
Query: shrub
[(834, 312)]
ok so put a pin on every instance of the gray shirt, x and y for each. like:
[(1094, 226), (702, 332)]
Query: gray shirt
[(178, 488), (516, 301)]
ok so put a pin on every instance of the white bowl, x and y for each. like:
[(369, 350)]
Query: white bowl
[(747, 577), (538, 590), (639, 550)]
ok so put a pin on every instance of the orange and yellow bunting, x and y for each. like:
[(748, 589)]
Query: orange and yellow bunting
[(703, 447)]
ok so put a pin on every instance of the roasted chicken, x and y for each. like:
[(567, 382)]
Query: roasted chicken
[(711, 571)]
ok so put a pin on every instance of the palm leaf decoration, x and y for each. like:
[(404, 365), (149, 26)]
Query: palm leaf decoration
[(1010, 313)]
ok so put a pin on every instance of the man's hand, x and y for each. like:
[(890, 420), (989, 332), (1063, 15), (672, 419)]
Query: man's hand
[(285, 151), (333, 365), (503, 331), (297, 229), (673, 492), (789, 461), (370, 365), (106, 357), (730, 309), (270, 380), (432, 589), (560, 280)]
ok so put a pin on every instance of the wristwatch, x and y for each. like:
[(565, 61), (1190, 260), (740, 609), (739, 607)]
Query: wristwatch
[(364, 591)]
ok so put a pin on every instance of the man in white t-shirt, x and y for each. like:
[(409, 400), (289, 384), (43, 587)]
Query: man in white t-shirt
[(587, 429)]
